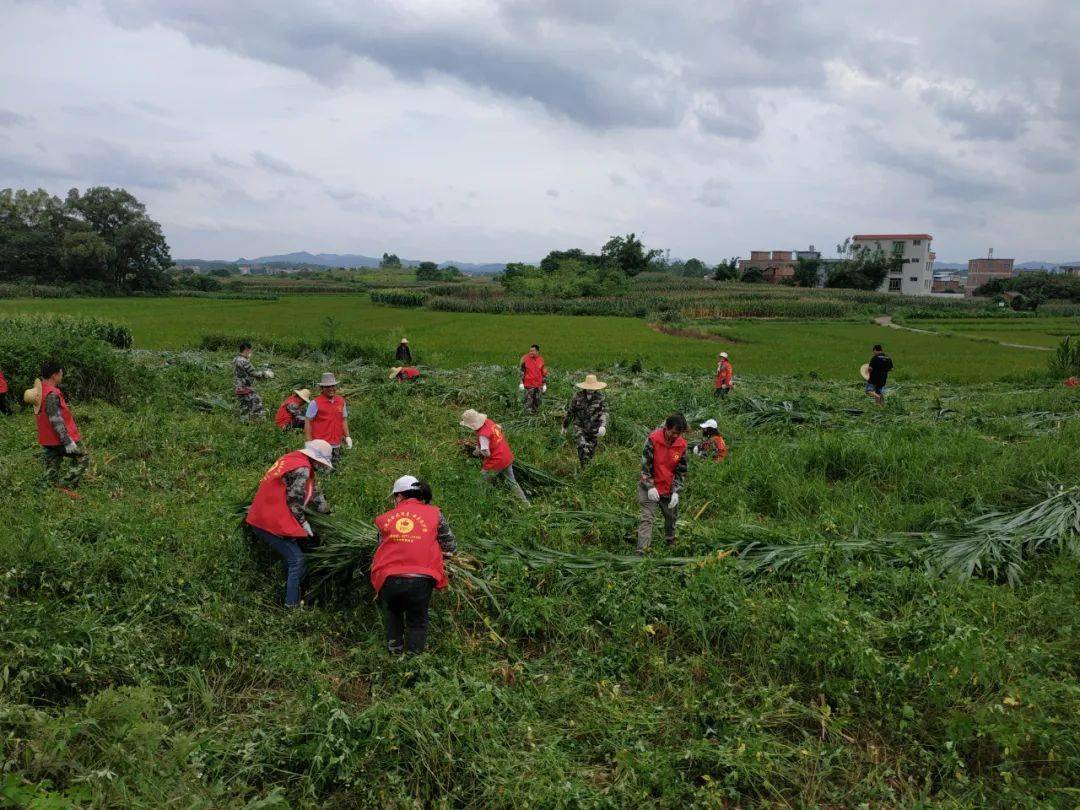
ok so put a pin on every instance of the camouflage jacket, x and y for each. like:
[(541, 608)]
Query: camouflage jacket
[(245, 372), (56, 420), (587, 412), (296, 490)]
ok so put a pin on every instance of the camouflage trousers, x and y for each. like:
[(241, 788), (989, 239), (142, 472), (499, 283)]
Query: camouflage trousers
[(532, 399), (251, 406), (55, 475), (586, 445)]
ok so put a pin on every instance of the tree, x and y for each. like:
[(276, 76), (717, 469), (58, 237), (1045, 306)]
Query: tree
[(694, 268), (550, 263), (727, 271), (390, 260), (862, 267), (807, 271), (427, 271), (753, 275), (629, 254)]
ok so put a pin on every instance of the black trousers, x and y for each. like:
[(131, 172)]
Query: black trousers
[(4, 407), (405, 602)]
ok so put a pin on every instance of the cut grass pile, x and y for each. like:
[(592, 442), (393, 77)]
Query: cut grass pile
[(146, 660)]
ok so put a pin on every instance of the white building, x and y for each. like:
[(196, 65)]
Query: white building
[(916, 274)]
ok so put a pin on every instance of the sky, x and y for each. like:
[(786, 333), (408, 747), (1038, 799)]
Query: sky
[(497, 130)]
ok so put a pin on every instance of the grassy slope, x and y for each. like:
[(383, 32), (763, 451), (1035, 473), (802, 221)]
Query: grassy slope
[(146, 661), (833, 350)]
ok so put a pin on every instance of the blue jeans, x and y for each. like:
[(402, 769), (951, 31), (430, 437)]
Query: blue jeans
[(289, 550)]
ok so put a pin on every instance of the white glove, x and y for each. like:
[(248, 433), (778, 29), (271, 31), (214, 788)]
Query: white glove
[(307, 528), (268, 374), (654, 495), (348, 442), (601, 431), (543, 388), (521, 386), (71, 446), (674, 500)]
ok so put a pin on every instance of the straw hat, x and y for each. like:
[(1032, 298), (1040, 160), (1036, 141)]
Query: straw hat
[(724, 355), (303, 393), (32, 396), (395, 371), (328, 379), (320, 452), (591, 383), (865, 371), (404, 340), (473, 420), (708, 423)]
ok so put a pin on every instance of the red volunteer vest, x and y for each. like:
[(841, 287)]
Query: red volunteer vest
[(665, 460), (501, 456), (283, 418), (329, 422), (269, 511), (724, 374), (3, 384), (410, 544), (533, 376), (408, 373), (721, 448), (46, 436)]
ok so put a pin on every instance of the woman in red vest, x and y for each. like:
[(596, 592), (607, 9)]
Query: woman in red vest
[(290, 414), (408, 564), (725, 376), (276, 514), (404, 374), (493, 448), (57, 432), (663, 471), (533, 378), (712, 444), (4, 407), (327, 416)]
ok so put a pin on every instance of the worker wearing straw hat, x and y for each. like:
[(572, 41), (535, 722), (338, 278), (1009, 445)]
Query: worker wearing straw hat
[(588, 414), (493, 448), (403, 354), (876, 374), (276, 515), (404, 374), (327, 416), (290, 413), (712, 444), (725, 376), (245, 374), (408, 563), (57, 432), (663, 471), (533, 378)]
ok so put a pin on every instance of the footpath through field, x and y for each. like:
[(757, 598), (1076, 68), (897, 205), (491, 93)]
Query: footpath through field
[(886, 320)]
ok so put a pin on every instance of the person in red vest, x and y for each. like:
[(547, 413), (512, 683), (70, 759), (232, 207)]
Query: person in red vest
[(57, 432), (712, 444), (408, 564), (663, 472), (4, 407), (276, 515), (290, 413), (493, 448), (533, 378), (327, 416), (725, 376), (404, 374)]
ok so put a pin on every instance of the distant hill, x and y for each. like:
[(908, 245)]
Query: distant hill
[(358, 260)]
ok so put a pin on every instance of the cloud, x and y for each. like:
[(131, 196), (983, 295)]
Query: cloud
[(275, 165), (976, 119), (714, 193), (553, 192), (10, 118)]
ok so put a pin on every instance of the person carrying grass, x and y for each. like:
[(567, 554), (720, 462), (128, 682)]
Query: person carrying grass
[(408, 563), (245, 374), (57, 432), (290, 413), (276, 515), (533, 378), (712, 444), (877, 374), (663, 473), (404, 374), (327, 417), (493, 448), (725, 376), (588, 414)]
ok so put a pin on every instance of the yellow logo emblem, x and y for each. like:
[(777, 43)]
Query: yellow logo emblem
[(404, 525)]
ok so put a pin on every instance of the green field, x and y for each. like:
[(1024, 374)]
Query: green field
[(1040, 331), (828, 349)]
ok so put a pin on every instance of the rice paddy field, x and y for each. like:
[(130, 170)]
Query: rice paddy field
[(829, 349), (864, 607)]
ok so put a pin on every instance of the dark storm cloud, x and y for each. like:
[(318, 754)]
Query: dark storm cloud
[(989, 122)]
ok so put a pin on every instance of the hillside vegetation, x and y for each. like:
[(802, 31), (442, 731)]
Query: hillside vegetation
[(820, 651)]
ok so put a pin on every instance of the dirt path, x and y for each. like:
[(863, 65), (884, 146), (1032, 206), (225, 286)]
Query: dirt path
[(886, 320)]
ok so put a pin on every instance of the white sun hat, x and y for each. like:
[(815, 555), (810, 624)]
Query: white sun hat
[(708, 423), (724, 355), (328, 379), (473, 420), (405, 484), (320, 451)]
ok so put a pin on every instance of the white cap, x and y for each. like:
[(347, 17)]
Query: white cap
[(708, 423), (724, 355), (320, 451), (404, 484)]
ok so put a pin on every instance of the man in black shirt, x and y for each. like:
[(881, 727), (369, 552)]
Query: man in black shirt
[(880, 366)]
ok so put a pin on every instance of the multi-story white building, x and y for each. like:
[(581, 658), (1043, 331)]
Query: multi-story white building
[(916, 274)]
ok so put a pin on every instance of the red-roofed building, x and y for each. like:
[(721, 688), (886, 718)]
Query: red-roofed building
[(916, 274)]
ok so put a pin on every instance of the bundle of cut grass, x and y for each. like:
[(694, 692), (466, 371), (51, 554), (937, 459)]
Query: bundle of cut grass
[(532, 477), (212, 402), (761, 412), (544, 557)]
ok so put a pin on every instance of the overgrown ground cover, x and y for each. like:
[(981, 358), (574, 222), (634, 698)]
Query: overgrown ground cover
[(830, 349), (146, 661), (1035, 331)]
